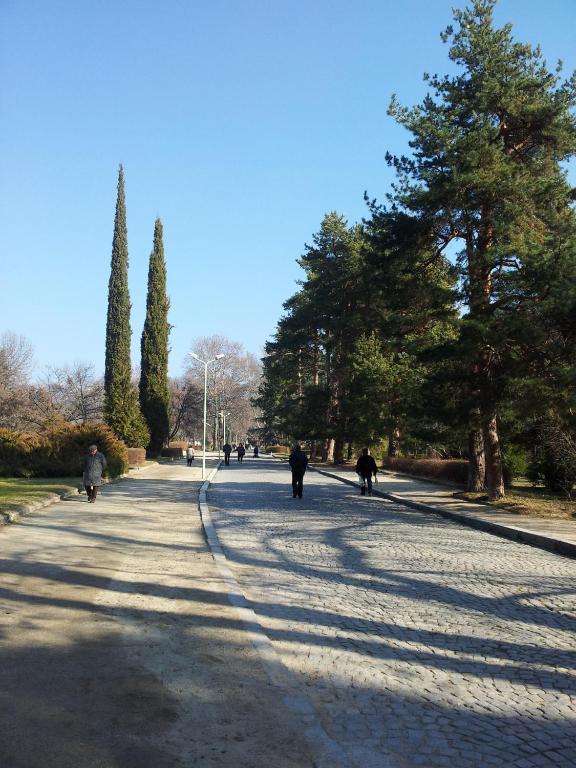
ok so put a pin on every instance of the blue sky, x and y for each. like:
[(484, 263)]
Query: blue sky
[(239, 122)]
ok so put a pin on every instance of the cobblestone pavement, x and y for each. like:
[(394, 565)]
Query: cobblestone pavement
[(418, 641)]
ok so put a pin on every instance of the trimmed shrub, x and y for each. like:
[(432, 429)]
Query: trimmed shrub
[(452, 470), (171, 453), (277, 449), (136, 456), (59, 452), (20, 453)]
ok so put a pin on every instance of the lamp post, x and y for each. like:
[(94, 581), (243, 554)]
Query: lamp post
[(224, 414), (205, 363)]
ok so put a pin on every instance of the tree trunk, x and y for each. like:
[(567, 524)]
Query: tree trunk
[(394, 441), (313, 449), (349, 452), (476, 461), (330, 443), (299, 375), (488, 421), (480, 266), (494, 473), (339, 450)]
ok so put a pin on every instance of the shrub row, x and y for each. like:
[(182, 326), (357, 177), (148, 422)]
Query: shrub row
[(171, 453), (453, 470), (60, 451)]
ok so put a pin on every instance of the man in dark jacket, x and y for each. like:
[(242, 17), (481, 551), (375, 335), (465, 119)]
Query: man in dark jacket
[(227, 451), (366, 467), (94, 466), (298, 462), (241, 451)]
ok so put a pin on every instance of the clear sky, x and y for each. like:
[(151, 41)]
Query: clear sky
[(239, 122)]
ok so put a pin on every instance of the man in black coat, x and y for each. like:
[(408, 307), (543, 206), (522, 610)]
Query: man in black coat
[(366, 467), (298, 462)]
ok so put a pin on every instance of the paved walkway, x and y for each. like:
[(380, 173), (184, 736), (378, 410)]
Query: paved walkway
[(418, 641), (118, 646), (555, 535)]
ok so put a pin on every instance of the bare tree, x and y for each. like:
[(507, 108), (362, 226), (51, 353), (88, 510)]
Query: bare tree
[(16, 360), (77, 391), (185, 409), (232, 383)]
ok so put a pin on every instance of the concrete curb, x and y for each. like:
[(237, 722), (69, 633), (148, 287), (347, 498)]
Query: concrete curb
[(331, 755), (514, 533), (13, 515), (9, 516)]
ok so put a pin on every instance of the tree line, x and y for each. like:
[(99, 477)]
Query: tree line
[(446, 319)]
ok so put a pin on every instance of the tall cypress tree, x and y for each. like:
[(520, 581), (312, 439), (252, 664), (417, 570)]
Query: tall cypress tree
[(121, 410), (154, 397)]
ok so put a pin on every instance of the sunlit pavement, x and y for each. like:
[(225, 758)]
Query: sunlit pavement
[(118, 646), (419, 642)]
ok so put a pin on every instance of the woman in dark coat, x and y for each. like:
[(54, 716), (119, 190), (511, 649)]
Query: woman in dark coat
[(94, 466)]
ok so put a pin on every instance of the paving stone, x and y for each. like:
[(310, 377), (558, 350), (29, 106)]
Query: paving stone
[(450, 643)]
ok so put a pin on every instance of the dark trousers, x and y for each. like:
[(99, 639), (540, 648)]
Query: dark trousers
[(226, 458), (367, 480), (297, 483), (240, 457), (92, 491)]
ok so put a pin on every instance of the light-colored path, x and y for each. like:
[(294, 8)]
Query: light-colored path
[(419, 642), (118, 647)]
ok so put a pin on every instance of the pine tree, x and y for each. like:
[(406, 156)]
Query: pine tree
[(486, 171), (121, 410), (154, 395)]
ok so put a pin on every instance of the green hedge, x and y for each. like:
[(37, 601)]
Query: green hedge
[(59, 452)]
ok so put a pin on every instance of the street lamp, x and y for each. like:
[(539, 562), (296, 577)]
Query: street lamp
[(224, 414), (205, 364)]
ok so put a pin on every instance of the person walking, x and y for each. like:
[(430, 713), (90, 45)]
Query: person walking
[(298, 462), (255, 451), (94, 466), (189, 455), (227, 448), (241, 451), (366, 467)]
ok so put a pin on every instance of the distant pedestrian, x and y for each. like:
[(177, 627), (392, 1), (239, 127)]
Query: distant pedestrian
[(227, 448), (366, 467), (94, 466), (298, 462), (241, 451), (255, 451), (189, 455)]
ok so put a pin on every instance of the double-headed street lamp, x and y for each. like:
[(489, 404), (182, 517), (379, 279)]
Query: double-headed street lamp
[(205, 364)]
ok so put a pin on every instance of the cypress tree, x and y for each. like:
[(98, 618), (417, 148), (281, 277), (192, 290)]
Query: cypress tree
[(154, 397), (121, 410)]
